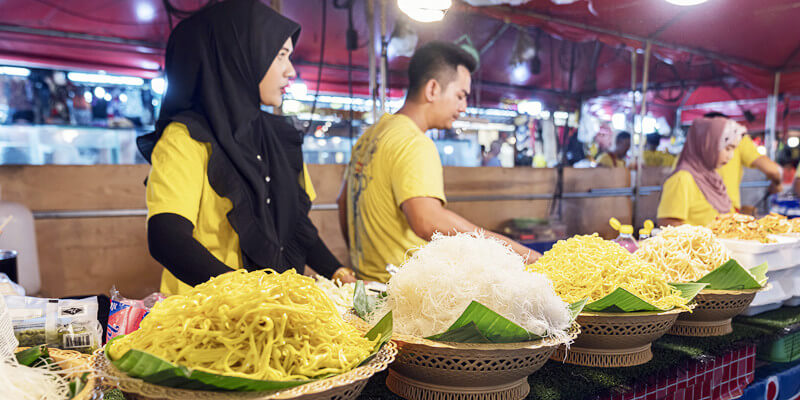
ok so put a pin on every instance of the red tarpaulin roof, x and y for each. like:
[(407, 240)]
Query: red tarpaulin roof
[(129, 37)]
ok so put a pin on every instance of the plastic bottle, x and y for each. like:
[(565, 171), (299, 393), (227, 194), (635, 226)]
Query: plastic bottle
[(646, 231), (625, 238)]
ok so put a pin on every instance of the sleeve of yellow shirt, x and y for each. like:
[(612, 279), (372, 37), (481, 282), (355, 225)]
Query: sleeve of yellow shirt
[(605, 160), (748, 151), (175, 183), (675, 197), (307, 185), (417, 171)]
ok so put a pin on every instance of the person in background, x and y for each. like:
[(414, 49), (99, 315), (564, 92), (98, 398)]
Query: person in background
[(392, 199), (654, 158), (492, 157), (228, 188), (616, 158), (796, 183), (695, 192), (746, 155)]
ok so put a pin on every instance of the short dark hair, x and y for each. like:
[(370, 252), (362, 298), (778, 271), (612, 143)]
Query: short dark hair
[(437, 60), (714, 114), (623, 135), (653, 139)]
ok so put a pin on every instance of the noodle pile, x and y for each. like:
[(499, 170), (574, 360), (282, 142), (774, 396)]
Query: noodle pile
[(740, 227), (686, 252), (434, 287), (340, 293), (589, 266), (775, 223), (257, 325)]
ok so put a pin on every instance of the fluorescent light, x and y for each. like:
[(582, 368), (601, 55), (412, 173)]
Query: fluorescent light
[(762, 150), (107, 97), (618, 121), (686, 2), (560, 115), (87, 95), (99, 92), (105, 79), (793, 141), (529, 107), (649, 125), (123, 97), (298, 90), (158, 85), (544, 114), (14, 71), (520, 73), (425, 10)]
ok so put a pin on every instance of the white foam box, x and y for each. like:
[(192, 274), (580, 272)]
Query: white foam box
[(783, 254), (785, 286)]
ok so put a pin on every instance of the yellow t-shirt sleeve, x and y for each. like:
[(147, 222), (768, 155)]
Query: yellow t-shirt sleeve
[(605, 160), (417, 171), (175, 183), (675, 197), (307, 185), (748, 151)]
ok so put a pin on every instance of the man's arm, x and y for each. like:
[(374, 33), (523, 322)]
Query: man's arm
[(427, 215), (341, 202), (770, 168), (670, 222)]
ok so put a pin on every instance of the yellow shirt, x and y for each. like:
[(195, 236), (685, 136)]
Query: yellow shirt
[(682, 199), (392, 162), (744, 156), (607, 161), (658, 159), (178, 184)]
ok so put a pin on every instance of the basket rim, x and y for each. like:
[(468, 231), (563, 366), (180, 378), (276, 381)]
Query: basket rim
[(623, 315), (736, 292), (572, 333), (385, 356)]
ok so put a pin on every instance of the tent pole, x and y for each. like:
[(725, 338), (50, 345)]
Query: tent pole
[(640, 153), (384, 55), (771, 118), (371, 56)]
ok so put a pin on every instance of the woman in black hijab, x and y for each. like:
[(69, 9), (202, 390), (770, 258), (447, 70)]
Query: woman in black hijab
[(228, 188)]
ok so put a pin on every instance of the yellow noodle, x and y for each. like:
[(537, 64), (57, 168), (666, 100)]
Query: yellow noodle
[(740, 227), (775, 223), (588, 266), (257, 325)]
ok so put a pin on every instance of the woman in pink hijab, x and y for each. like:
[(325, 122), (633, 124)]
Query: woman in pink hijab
[(695, 193)]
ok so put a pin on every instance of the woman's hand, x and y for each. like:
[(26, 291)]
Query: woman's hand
[(344, 275)]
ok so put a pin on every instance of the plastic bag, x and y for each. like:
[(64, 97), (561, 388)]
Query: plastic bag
[(61, 323), (126, 314), (9, 287)]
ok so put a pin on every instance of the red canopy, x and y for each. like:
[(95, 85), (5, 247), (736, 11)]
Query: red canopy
[(697, 45)]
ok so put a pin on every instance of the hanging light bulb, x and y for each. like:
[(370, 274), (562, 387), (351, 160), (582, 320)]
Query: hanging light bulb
[(425, 10)]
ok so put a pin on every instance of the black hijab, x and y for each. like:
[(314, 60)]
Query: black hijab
[(215, 60)]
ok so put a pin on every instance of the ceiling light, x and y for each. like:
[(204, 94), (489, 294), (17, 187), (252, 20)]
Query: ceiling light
[(793, 141), (105, 79), (159, 85), (425, 10), (529, 107), (686, 2), (99, 92), (14, 71)]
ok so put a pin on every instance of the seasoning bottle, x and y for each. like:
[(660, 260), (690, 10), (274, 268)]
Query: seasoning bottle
[(625, 238)]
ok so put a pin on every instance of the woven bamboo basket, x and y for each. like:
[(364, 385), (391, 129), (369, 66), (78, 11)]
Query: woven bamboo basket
[(345, 386), (616, 339), (78, 363), (429, 370), (713, 313)]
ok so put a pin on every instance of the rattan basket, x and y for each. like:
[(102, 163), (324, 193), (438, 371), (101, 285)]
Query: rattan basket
[(340, 387), (713, 313), (616, 339), (78, 363), (429, 370)]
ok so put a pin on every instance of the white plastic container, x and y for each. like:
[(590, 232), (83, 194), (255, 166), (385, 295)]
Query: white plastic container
[(785, 287), (783, 254)]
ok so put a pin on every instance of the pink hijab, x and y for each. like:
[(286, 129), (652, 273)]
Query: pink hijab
[(705, 139)]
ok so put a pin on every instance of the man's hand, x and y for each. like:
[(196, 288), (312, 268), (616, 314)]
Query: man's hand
[(532, 257)]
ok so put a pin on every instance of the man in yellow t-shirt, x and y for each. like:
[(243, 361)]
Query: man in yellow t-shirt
[(616, 158), (746, 155), (392, 198), (652, 157)]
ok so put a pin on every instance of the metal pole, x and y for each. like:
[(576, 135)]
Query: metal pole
[(383, 67), (632, 118), (371, 56), (639, 158), (771, 119)]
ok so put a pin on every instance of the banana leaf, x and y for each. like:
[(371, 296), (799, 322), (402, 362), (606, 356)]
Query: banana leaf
[(158, 371), (621, 300), (732, 276), (480, 324)]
